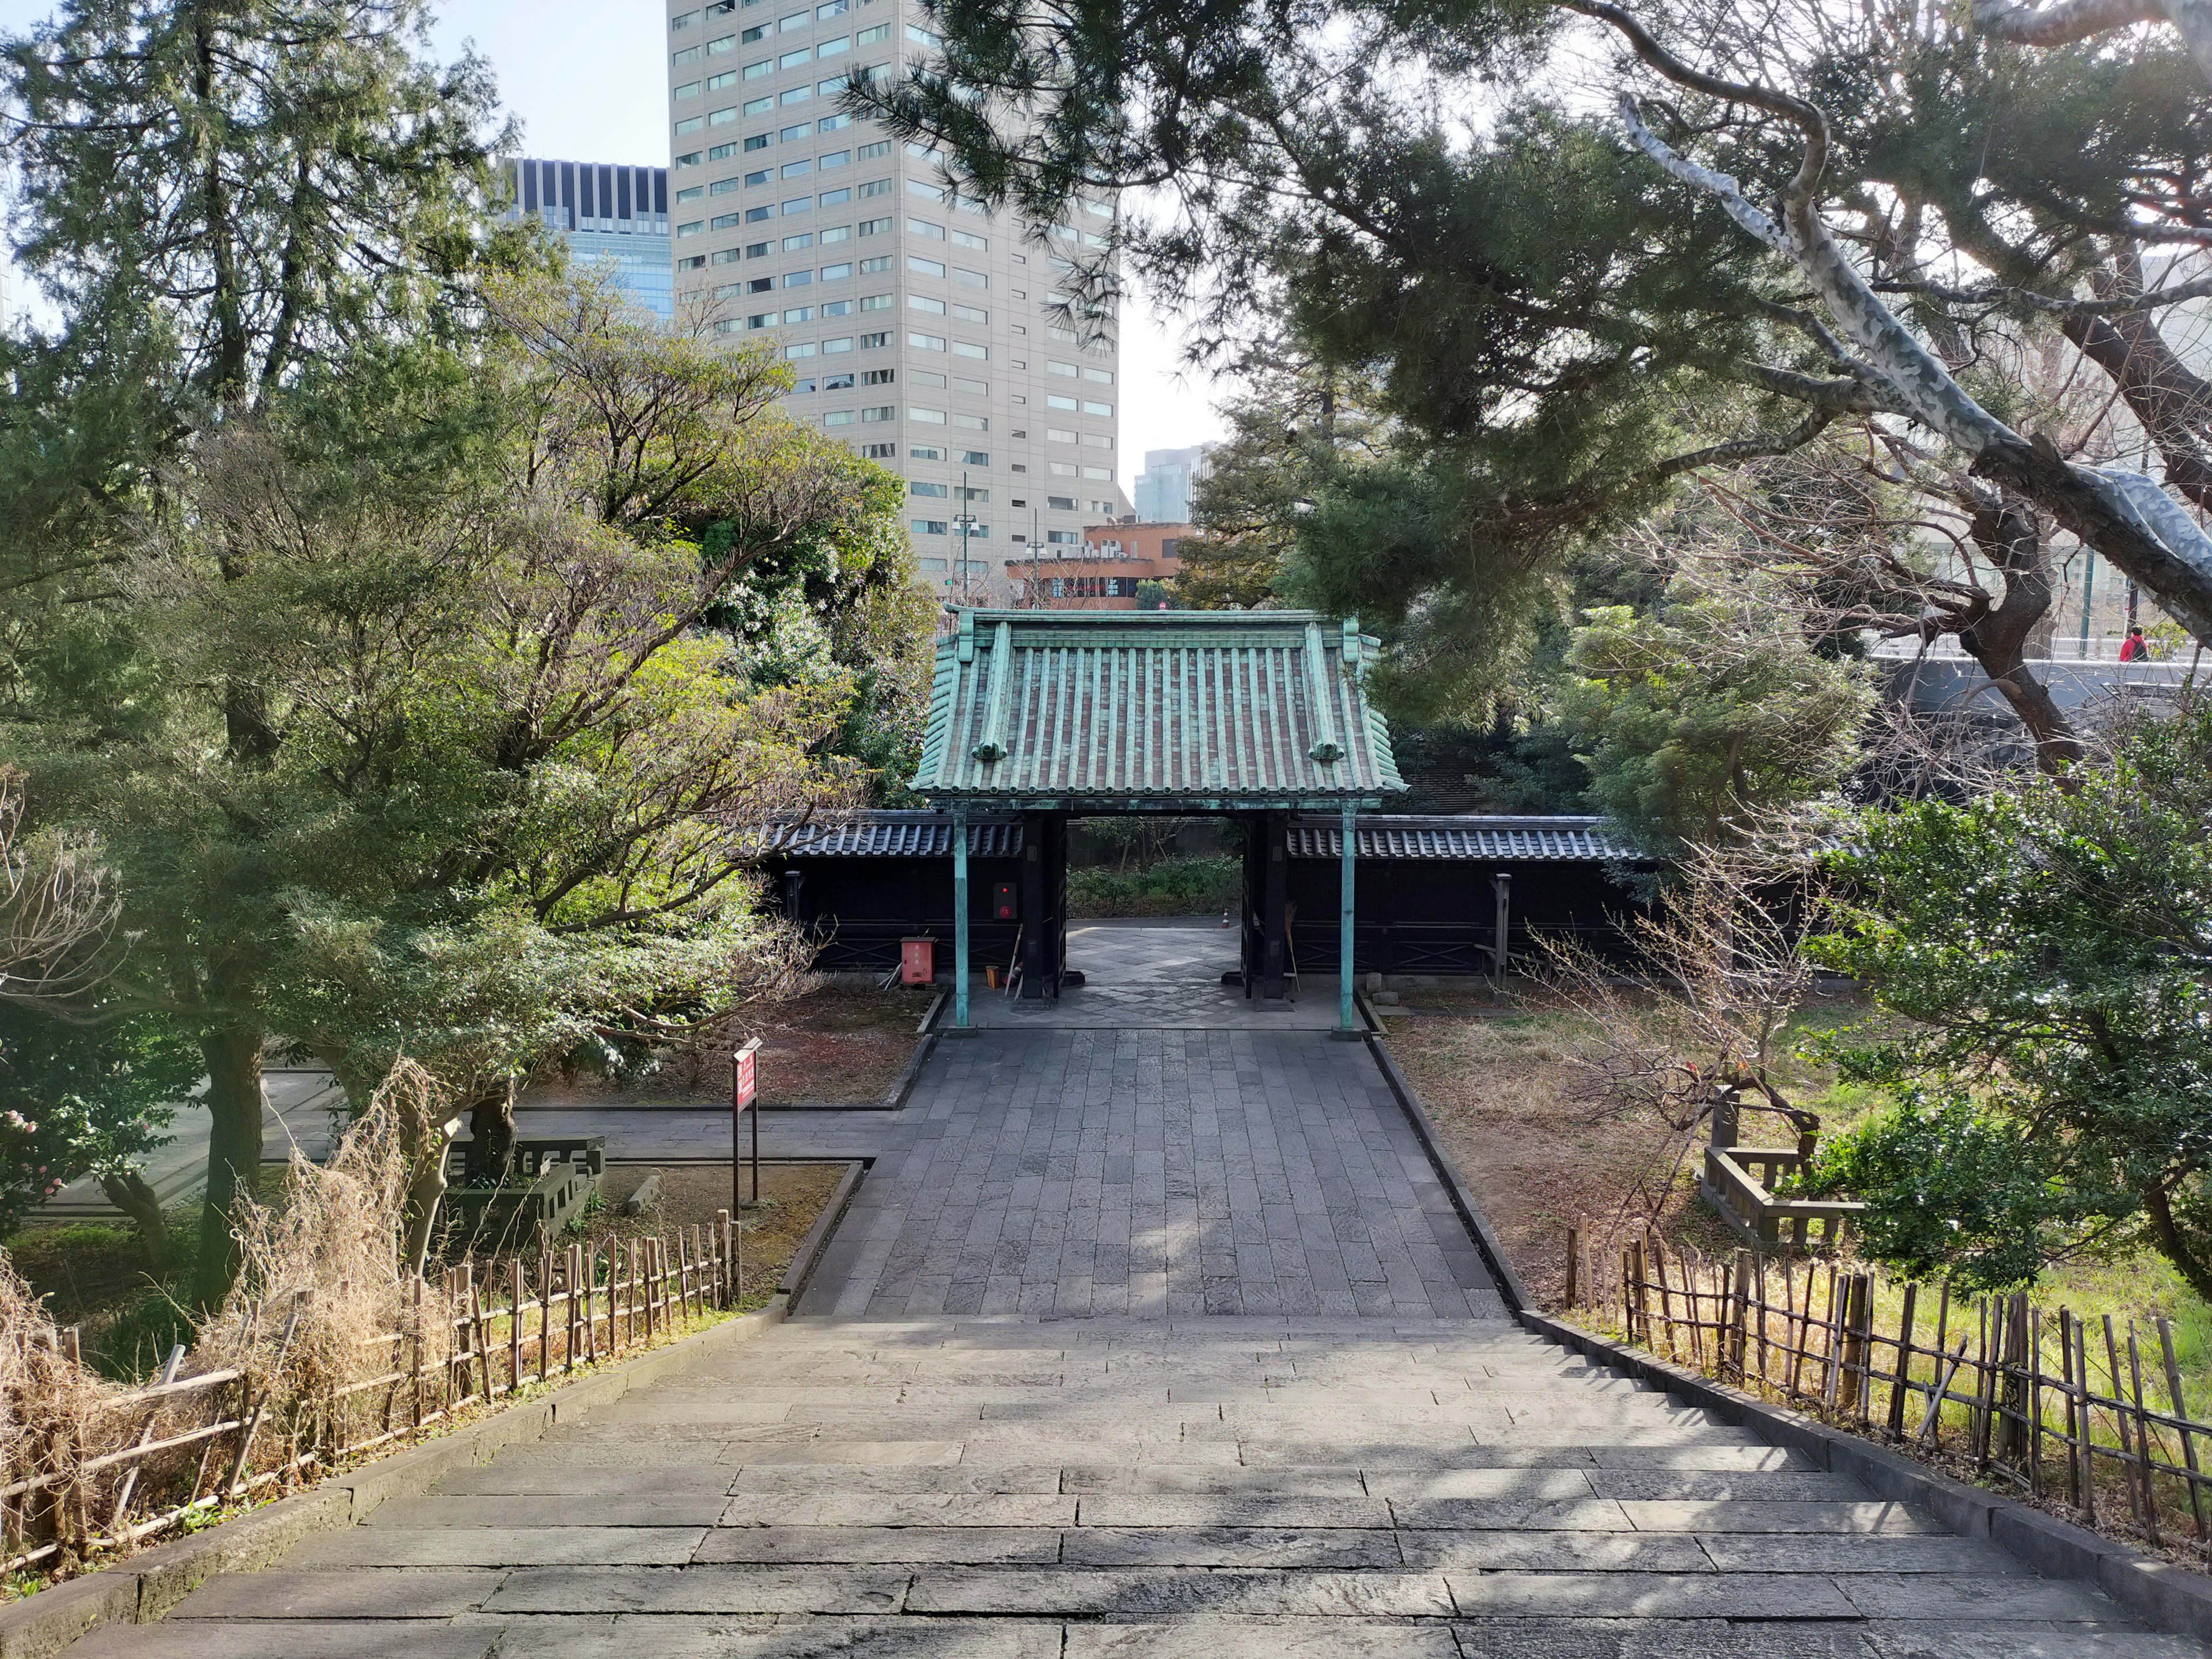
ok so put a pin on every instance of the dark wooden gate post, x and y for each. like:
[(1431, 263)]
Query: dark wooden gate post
[(1273, 890), (1035, 921)]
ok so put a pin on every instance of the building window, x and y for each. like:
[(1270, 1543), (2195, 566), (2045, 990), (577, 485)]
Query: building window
[(940, 492), (878, 376), (963, 348), (882, 413), (838, 417), (923, 302), (758, 141), (921, 267), (835, 158), (874, 342), (973, 422), (880, 452), (926, 416), (1090, 408), (930, 527), (843, 342), (977, 458), (692, 125), (923, 228), (925, 341)]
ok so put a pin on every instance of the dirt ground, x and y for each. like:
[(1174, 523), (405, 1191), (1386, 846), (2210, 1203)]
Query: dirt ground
[(1536, 1152), (792, 1197), (835, 1044)]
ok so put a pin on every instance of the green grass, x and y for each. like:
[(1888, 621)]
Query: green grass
[(1170, 887)]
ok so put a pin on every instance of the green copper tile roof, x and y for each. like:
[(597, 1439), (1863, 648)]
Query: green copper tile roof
[(1159, 711)]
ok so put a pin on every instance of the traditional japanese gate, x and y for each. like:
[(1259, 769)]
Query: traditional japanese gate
[(1182, 713)]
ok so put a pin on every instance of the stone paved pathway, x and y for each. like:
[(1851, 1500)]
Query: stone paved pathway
[(1158, 976), (1071, 1173), (1170, 1486), (1111, 1488)]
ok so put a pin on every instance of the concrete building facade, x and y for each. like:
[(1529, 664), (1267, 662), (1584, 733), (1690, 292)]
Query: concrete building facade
[(1113, 563), (1164, 489), (615, 218), (922, 330)]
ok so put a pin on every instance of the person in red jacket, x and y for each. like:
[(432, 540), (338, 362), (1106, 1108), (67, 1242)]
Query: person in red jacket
[(2134, 648)]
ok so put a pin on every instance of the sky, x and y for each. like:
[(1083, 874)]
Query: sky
[(584, 79)]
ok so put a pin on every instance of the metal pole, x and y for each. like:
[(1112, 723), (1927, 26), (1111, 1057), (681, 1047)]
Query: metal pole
[(960, 914), (966, 517), (1343, 920)]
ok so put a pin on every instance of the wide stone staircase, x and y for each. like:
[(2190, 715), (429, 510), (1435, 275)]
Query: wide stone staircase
[(1013, 1489)]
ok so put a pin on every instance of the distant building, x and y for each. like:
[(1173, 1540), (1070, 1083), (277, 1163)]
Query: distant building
[(928, 331), (1104, 572), (616, 214), (1164, 488)]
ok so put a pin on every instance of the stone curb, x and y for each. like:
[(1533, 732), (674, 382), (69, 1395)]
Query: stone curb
[(2165, 1596), (144, 1588), (804, 1260), (1470, 1213), (924, 1046)]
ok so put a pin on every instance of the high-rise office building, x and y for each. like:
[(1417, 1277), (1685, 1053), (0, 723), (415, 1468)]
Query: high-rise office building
[(1164, 488), (610, 216), (920, 328)]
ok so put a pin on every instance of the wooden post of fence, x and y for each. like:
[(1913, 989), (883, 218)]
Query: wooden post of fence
[(1574, 1262), (480, 1337), (1832, 1339), (1853, 1390), (2188, 1444), (2035, 1404), (514, 1321), (2143, 1434), (2120, 1420), (1897, 1386), (1759, 1271), (2073, 1429), (1985, 1391), (1641, 1281), (2083, 1418), (1739, 1310), (544, 1312), (2012, 1377), (726, 1285), (251, 1425)]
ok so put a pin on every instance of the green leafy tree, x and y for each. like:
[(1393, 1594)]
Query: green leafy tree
[(89, 1095), (1707, 712), (496, 745), (1581, 300), (2042, 961)]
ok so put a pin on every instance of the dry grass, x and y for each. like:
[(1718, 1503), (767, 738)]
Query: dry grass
[(1540, 1153), (793, 1197)]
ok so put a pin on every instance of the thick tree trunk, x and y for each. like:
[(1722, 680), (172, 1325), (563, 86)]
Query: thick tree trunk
[(2011, 540), (235, 1102), (128, 1192), (2165, 1233), (2170, 400)]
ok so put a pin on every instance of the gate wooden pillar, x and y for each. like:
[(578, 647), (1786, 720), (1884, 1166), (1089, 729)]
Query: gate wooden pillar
[(1038, 925), (1344, 919), (960, 915), (1275, 876)]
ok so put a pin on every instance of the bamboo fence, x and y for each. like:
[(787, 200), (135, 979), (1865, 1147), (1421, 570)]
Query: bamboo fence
[(2091, 1434), (125, 1466)]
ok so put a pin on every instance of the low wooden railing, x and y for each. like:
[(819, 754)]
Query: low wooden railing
[(1747, 1202), (129, 1464), (1860, 1351)]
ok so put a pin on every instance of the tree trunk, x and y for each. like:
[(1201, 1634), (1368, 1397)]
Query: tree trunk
[(235, 1103), (491, 1137), (128, 1192), (2165, 1233), (2012, 541)]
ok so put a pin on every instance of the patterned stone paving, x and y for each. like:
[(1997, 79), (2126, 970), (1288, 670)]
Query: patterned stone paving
[(1158, 1173)]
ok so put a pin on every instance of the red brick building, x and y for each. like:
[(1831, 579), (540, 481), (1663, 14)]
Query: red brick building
[(1103, 573)]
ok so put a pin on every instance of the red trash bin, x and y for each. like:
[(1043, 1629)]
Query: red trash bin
[(917, 961)]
